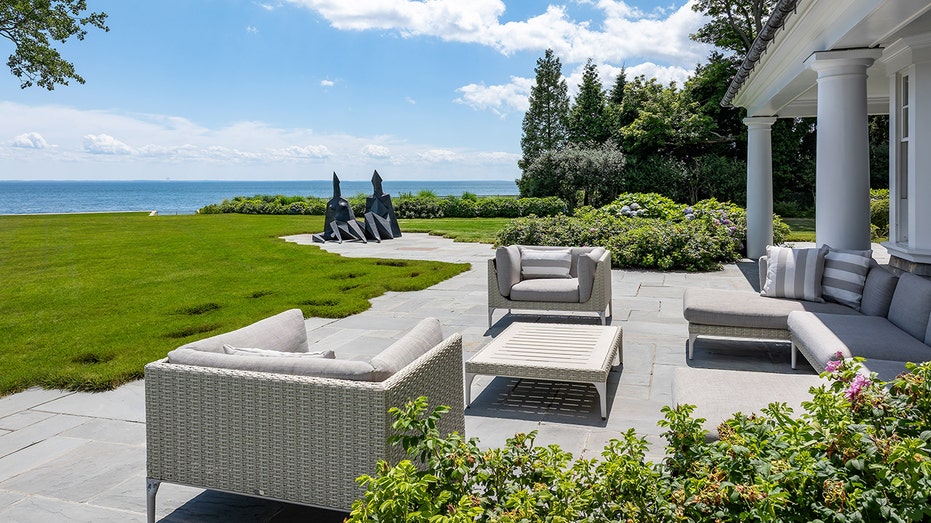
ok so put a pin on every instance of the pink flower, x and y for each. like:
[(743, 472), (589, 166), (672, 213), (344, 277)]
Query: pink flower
[(858, 384), (838, 355), (832, 365)]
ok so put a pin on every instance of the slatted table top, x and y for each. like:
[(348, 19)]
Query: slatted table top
[(551, 351)]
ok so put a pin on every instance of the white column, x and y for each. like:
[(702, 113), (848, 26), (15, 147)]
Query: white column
[(843, 164), (759, 184)]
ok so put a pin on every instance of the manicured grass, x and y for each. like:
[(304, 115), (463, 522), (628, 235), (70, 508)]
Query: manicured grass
[(88, 300), (803, 229), (479, 230)]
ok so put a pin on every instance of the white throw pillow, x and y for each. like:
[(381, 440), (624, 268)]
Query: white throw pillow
[(794, 273), (545, 264), (249, 351)]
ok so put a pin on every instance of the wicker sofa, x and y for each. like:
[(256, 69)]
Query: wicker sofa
[(294, 429), (585, 286)]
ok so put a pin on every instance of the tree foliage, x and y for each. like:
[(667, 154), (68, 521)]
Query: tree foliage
[(734, 24), (587, 123), (546, 122), (32, 26), (577, 175)]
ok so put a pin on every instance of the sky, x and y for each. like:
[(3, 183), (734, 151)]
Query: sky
[(298, 89)]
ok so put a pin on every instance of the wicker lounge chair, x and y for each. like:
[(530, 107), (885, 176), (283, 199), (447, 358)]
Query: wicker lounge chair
[(296, 438), (584, 286)]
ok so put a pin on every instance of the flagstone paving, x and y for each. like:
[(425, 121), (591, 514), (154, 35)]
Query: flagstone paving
[(81, 456)]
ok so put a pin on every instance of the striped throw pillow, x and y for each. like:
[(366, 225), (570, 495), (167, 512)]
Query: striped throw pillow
[(545, 264), (794, 273), (844, 277)]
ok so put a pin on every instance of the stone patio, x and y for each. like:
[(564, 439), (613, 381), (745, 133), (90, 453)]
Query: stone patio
[(81, 456)]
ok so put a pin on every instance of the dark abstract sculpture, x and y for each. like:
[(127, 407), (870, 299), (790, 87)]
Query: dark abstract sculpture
[(339, 222), (380, 220)]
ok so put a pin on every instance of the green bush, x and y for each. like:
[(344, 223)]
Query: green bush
[(424, 205), (879, 212), (859, 451), (656, 234)]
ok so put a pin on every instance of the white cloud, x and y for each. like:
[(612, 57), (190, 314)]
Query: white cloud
[(376, 151), (268, 7), (410, 100), (92, 144), (306, 151), (30, 141), (327, 83), (625, 33), (252, 29), (105, 144), (440, 155), (499, 99)]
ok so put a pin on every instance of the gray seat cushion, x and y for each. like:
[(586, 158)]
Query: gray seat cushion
[(560, 290), (728, 308), (284, 332), (886, 369), (718, 394), (820, 336), (911, 305), (423, 337), (877, 291)]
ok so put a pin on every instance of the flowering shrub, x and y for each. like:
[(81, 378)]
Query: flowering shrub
[(859, 451)]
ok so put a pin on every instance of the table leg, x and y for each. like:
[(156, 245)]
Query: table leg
[(469, 376), (602, 389)]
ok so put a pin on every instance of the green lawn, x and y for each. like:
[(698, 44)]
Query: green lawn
[(480, 230), (803, 229), (88, 299)]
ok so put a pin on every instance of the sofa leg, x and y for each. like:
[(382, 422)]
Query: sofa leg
[(151, 488), (691, 347), (602, 316), (794, 355), (491, 310)]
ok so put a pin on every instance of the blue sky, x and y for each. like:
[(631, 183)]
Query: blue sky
[(297, 89)]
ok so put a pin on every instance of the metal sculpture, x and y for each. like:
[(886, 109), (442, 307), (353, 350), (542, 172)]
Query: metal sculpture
[(340, 222), (380, 219)]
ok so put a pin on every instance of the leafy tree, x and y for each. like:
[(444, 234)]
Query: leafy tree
[(31, 25), (587, 124), (546, 122), (705, 88), (734, 24), (577, 175)]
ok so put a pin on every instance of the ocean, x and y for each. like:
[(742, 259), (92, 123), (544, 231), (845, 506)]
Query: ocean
[(177, 197)]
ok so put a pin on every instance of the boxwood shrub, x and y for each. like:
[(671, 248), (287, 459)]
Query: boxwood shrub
[(859, 451), (648, 231), (406, 206)]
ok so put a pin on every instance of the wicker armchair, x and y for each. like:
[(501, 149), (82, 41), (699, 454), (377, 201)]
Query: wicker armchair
[(299, 439), (586, 288)]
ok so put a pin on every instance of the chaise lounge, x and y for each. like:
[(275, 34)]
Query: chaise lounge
[(296, 427)]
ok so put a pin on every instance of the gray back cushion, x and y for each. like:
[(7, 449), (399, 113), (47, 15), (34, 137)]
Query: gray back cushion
[(283, 332), (423, 337), (319, 367), (877, 291), (507, 265), (928, 332), (911, 305)]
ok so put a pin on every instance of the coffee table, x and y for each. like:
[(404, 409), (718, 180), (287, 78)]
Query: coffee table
[(550, 351)]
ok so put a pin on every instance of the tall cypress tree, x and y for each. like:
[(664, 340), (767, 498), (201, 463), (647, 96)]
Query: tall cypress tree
[(546, 121), (587, 125), (617, 92)]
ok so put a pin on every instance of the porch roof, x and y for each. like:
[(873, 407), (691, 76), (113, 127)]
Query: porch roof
[(775, 79)]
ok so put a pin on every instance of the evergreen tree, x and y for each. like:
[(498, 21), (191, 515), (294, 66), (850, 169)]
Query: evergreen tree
[(587, 122), (616, 97), (546, 121)]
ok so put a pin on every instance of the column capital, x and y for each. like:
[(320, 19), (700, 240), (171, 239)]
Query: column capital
[(836, 63), (759, 122)]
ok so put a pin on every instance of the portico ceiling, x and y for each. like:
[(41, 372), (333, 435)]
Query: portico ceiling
[(781, 84)]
